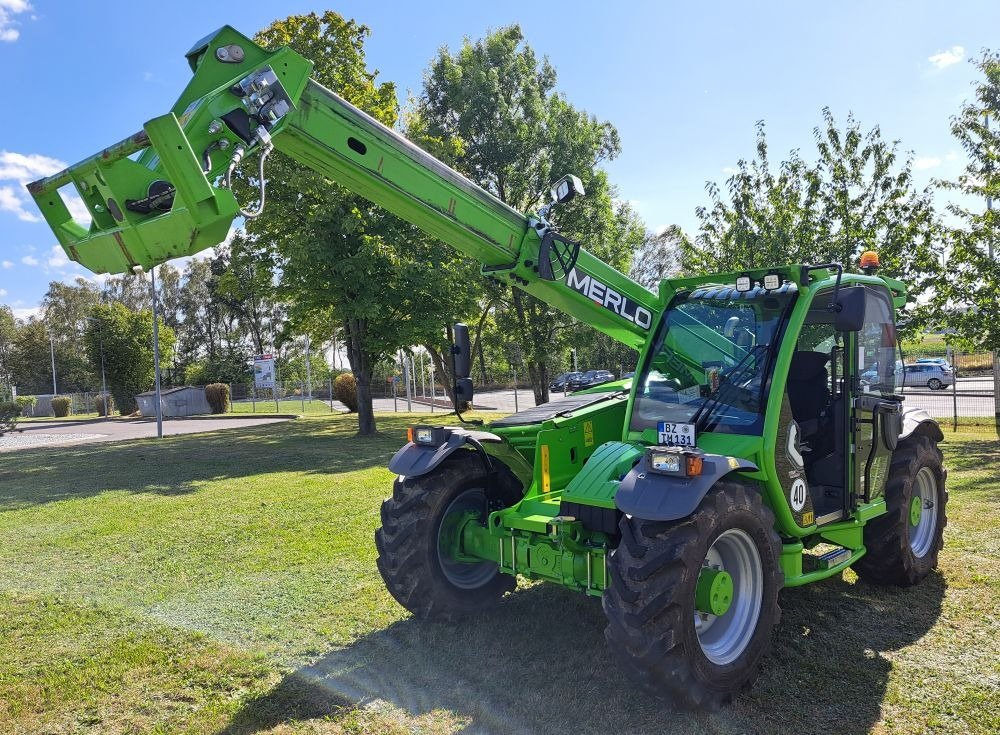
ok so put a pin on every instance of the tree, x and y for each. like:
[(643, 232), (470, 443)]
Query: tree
[(244, 286), (340, 257), (513, 134), (969, 297), (859, 195), (8, 335), (659, 257), (129, 289), (128, 350)]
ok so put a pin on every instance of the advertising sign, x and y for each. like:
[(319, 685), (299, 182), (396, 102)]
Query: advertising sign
[(263, 371)]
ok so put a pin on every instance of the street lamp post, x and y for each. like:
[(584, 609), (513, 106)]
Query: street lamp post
[(156, 349)]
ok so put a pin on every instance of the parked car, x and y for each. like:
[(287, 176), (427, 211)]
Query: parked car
[(942, 361), (559, 383), (589, 379), (930, 374)]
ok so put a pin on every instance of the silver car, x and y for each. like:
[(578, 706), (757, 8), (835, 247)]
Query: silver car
[(930, 374)]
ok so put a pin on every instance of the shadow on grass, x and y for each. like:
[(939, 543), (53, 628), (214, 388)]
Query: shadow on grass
[(178, 464), (539, 663)]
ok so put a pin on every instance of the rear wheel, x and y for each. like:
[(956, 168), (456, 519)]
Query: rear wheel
[(903, 545), (691, 604), (416, 541), (934, 384)]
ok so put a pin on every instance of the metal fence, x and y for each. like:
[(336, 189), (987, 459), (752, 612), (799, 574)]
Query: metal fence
[(969, 403)]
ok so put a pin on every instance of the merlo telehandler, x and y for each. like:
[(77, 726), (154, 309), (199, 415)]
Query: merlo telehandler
[(760, 444)]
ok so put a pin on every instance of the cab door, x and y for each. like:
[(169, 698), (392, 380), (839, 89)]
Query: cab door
[(877, 415)]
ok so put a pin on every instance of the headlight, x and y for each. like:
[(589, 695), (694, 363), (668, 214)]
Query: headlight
[(675, 461), (428, 436)]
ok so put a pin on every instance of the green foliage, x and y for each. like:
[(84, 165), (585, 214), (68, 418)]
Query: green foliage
[(104, 404), (659, 257), (225, 367), (8, 341), (858, 195), (61, 406), (345, 390), (514, 134), (128, 350), (26, 404), (9, 413), (217, 395), (968, 299), (30, 362), (344, 261)]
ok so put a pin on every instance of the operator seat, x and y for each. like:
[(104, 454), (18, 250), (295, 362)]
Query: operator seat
[(809, 397)]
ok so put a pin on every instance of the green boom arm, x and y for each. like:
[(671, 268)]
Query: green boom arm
[(161, 193)]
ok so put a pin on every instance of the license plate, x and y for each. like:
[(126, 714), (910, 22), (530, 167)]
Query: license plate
[(677, 435)]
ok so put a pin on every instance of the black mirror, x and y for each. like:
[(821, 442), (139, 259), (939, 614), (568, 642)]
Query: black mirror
[(556, 256), (462, 350), (850, 309), (463, 392)]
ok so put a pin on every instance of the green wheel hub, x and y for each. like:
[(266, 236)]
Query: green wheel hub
[(916, 507), (714, 592)]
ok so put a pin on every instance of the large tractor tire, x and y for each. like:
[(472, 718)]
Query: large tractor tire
[(665, 576), (903, 545), (415, 565)]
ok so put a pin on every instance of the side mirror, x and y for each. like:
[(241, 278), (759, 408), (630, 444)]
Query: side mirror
[(850, 309), (462, 350), (463, 391)]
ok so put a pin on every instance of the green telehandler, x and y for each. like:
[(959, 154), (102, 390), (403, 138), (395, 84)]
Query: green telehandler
[(760, 444)]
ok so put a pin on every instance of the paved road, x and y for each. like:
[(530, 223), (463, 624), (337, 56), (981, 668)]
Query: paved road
[(974, 399), (79, 432)]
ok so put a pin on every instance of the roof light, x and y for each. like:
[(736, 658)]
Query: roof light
[(772, 281), (743, 284), (869, 261)]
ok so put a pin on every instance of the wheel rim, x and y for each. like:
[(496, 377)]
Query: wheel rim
[(724, 638), (922, 532), (464, 575), (933, 383)]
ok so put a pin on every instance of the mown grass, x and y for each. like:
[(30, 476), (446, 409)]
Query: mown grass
[(225, 583)]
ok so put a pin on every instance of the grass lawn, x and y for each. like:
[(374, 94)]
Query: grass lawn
[(226, 583)]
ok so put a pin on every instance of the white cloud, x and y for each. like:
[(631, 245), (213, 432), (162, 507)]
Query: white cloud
[(946, 58), (29, 260), (922, 163), (25, 313), (7, 264), (8, 26), (25, 167), (951, 156), (730, 171), (11, 202), (3, 292), (57, 257)]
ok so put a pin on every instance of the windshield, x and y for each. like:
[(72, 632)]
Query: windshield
[(711, 360)]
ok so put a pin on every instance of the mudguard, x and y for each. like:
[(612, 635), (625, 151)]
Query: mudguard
[(918, 421), (414, 460), (655, 496)]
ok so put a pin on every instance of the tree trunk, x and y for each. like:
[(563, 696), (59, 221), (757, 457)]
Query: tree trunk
[(361, 366), (442, 371), (537, 369)]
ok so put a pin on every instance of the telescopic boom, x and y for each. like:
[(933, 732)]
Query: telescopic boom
[(163, 192)]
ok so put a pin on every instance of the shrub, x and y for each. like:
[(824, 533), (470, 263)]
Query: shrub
[(217, 395), (346, 391), (9, 411), (60, 406), (26, 404), (104, 404)]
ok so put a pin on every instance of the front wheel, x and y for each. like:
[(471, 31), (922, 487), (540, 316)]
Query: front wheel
[(935, 384), (417, 539), (692, 603)]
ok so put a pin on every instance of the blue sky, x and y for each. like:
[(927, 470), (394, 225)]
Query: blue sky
[(683, 82)]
